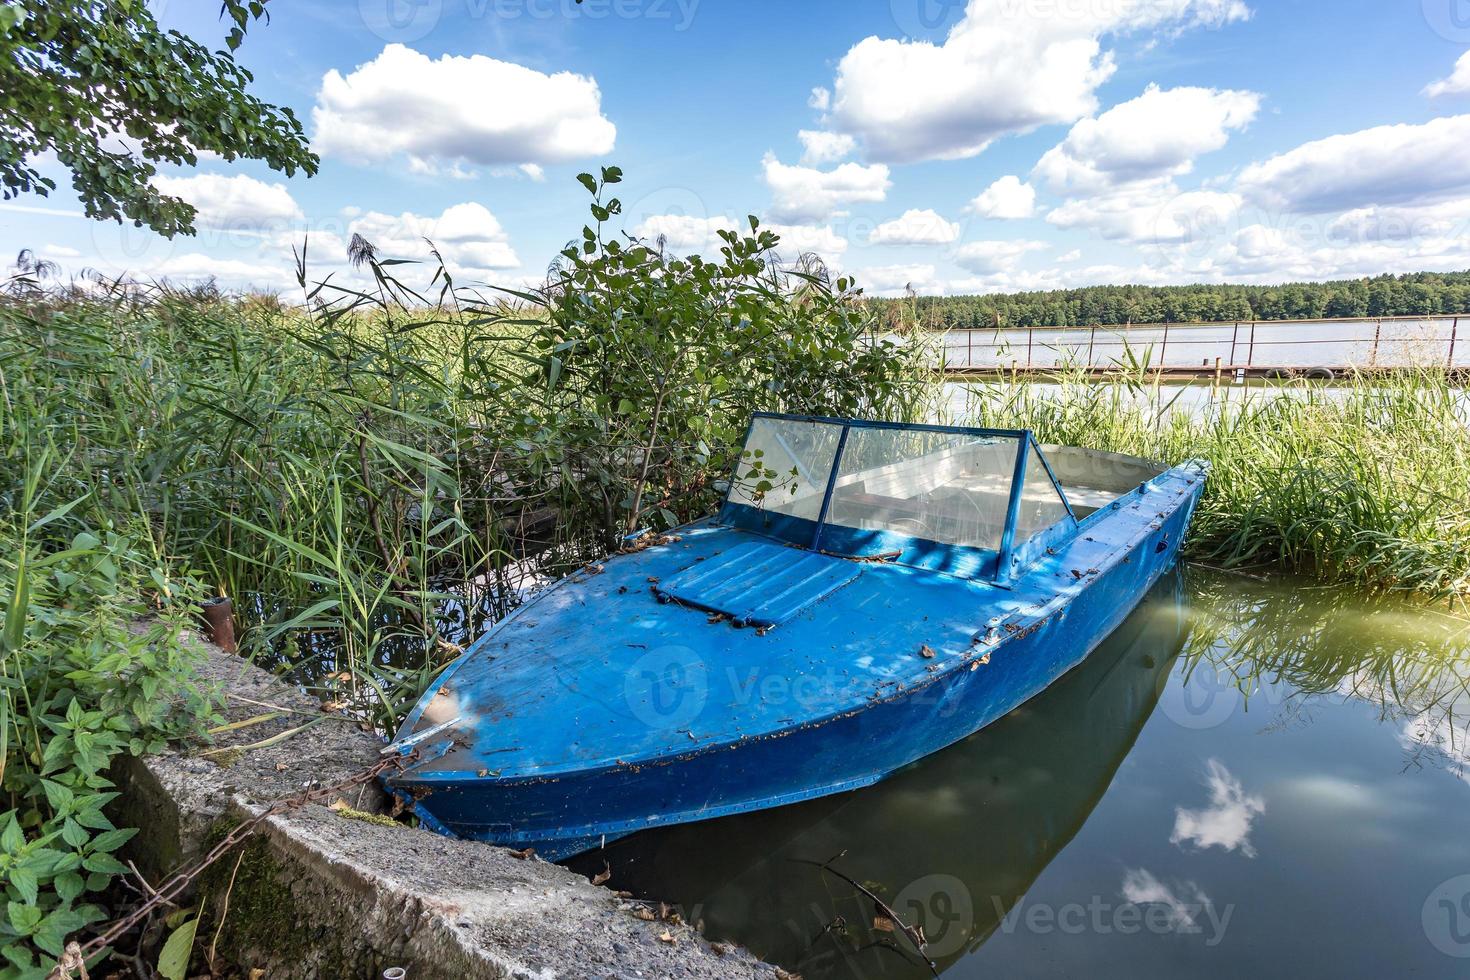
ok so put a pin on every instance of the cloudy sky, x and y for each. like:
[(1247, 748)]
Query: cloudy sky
[(957, 148)]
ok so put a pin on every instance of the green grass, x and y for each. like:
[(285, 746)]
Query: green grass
[(1363, 482)]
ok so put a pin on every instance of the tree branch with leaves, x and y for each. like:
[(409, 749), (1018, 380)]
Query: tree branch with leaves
[(107, 91)]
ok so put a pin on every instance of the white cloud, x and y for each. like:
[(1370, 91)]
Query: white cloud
[(692, 235), (1458, 82), (1386, 165), (474, 109), (1010, 281), (686, 233), (1226, 822), (916, 227), (1009, 197), (1155, 212), (455, 170), (820, 99), (1071, 256), (233, 202), (803, 194), (798, 239), (1157, 134), (1402, 223), (468, 236), (1260, 253), (1003, 68), (820, 146), (233, 273), (895, 280), (1184, 901), (60, 252), (1159, 271), (534, 172), (995, 256)]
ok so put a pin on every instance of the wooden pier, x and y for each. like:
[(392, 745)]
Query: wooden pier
[(1243, 350)]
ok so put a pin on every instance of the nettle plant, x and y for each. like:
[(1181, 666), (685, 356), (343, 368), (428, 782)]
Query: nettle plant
[(654, 361), (89, 673)]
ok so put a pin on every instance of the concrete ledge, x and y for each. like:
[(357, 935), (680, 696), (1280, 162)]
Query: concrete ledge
[(318, 894)]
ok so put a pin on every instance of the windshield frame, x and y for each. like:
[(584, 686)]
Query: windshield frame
[(998, 566)]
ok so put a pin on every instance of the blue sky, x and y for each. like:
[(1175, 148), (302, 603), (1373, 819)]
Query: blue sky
[(950, 147)]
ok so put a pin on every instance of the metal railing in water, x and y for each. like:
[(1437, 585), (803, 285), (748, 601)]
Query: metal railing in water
[(1244, 347)]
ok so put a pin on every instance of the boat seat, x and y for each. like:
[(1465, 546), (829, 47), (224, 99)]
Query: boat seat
[(757, 583)]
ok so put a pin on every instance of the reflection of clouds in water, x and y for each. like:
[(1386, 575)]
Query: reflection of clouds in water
[(1433, 701), (1341, 796), (1226, 822), (1441, 733), (1184, 900)]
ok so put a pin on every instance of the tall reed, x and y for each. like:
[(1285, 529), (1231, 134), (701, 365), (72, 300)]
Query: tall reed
[(1364, 481), (373, 472)]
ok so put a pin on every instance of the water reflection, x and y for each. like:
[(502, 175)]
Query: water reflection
[(1244, 766), (1290, 647)]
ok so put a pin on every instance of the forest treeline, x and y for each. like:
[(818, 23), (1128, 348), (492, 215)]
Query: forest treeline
[(1407, 295)]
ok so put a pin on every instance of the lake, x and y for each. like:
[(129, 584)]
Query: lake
[(1391, 341), (1248, 777)]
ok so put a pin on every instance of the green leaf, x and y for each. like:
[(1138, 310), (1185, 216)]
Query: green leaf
[(589, 182), (173, 959), (57, 795), (113, 839), (57, 513), (24, 881), (69, 886), (23, 918), (19, 957), (73, 833), (104, 864), (51, 934), (12, 839), (12, 634)]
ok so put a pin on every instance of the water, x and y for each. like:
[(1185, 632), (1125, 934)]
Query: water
[(1430, 340), (1248, 777), (963, 400)]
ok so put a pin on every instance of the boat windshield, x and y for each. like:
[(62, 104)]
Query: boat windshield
[(927, 495)]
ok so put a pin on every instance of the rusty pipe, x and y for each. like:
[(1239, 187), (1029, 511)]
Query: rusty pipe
[(219, 622)]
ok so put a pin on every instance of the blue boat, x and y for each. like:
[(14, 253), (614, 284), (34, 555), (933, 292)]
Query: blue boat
[(869, 593)]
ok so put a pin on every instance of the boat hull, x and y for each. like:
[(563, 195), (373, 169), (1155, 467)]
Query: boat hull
[(562, 814)]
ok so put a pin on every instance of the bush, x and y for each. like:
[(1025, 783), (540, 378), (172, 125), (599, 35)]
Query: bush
[(356, 471), (86, 680)]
